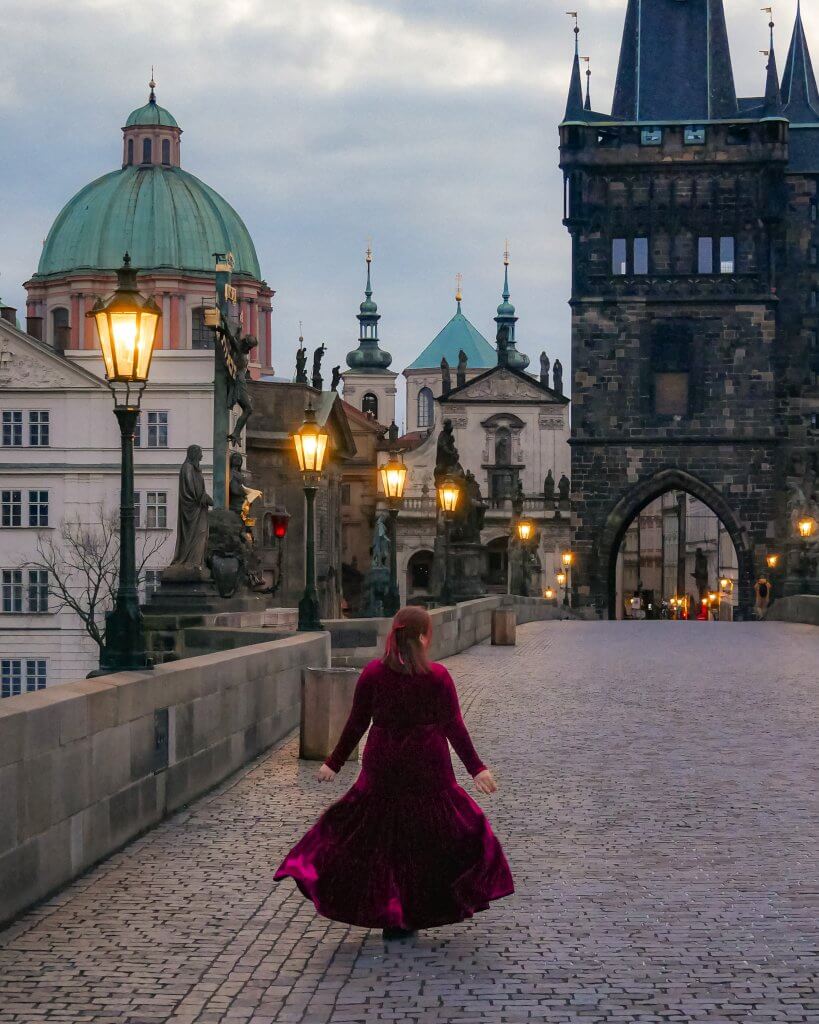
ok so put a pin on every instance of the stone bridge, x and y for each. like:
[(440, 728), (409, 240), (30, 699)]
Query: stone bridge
[(658, 806)]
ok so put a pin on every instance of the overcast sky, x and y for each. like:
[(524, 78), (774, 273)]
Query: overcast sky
[(429, 127)]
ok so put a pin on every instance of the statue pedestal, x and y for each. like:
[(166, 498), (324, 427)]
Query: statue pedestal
[(467, 569)]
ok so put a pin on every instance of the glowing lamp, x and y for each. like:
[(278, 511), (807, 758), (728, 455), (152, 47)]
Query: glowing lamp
[(280, 523), (311, 443), (393, 478), (726, 584), (126, 327), (772, 561), (561, 579), (448, 495), (549, 594), (526, 529), (806, 526), (567, 558)]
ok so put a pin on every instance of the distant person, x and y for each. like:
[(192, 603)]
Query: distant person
[(636, 606), (405, 848)]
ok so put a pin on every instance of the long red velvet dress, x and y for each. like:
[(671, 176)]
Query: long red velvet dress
[(405, 847)]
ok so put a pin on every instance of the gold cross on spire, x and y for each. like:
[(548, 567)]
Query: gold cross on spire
[(506, 253), (458, 282), (369, 254), (301, 333)]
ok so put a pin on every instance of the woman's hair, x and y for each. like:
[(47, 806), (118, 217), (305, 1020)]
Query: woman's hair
[(405, 652)]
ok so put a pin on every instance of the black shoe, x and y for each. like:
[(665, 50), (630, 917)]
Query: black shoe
[(397, 933)]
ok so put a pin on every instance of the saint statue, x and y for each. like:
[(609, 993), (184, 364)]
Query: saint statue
[(563, 486), (381, 545), (447, 459), (301, 363), (336, 378), (446, 378), (544, 369), (318, 355), (192, 516), (238, 394), (236, 485), (502, 340), (558, 377), (460, 373), (549, 487)]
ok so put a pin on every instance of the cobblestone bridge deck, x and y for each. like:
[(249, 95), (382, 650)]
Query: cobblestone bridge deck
[(659, 810)]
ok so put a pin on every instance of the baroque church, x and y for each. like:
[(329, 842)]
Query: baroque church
[(695, 297)]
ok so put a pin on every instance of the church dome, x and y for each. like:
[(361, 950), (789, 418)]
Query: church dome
[(150, 114), (163, 216)]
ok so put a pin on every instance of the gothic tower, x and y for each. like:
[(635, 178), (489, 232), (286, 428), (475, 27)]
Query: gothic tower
[(692, 215)]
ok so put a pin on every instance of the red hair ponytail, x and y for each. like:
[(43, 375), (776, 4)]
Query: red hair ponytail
[(405, 652)]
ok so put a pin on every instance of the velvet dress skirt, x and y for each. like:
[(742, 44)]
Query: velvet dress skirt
[(406, 846)]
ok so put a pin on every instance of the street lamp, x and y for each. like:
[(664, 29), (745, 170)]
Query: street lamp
[(772, 561), (310, 442), (567, 558), (448, 494), (549, 594), (806, 527), (525, 530), (393, 478), (126, 328)]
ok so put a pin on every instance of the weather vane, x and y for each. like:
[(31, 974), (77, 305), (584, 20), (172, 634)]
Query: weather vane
[(458, 282), (506, 253)]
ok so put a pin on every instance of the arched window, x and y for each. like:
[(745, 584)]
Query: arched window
[(419, 571), (59, 327), (130, 151), (425, 408), (201, 336), (369, 405), (503, 447), (166, 151), (146, 151)]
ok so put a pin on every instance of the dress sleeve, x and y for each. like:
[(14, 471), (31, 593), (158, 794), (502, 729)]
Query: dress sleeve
[(357, 721), (456, 731)]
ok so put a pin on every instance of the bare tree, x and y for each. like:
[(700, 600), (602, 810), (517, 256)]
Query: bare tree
[(82, 562)]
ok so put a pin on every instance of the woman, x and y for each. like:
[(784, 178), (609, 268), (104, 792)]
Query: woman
[(406, 847)]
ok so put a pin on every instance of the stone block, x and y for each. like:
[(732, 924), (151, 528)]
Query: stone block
[(181, 735), (207, 715), (138, 694), (9, 789), (71, 773), (124, 815), (143, 747), (74, 719), (34, 796), (19, 877), (11, 736), (110, 761), (326, 699), (504, 627)]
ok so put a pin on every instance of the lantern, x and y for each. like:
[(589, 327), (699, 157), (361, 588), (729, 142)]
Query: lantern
[(772, 561), (561, 579), (448, 494), (549, 594), (806, 527), (567, 558), (311, 443), (126, 326), (393, 477), (526, 529)]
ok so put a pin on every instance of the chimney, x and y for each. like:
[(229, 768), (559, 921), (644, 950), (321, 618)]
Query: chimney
[(9, 314), (34, 327)]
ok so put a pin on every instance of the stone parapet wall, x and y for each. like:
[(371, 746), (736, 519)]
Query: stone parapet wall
[(87, 766), (798, 608)]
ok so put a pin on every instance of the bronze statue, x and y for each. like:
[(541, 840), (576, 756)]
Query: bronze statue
[(318, 355), (475, 509), (192, 515), (334, 383), (517, 499), (544, 369), (502, 340), (460, 373), (236, 484), (557, 373), (549, 487), (301, 363), (563, 487), (241, 347), (447, 459), (446, 378)]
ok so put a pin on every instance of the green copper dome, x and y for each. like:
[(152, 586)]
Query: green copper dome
[(369, 357), (151, 114), (163, 216)]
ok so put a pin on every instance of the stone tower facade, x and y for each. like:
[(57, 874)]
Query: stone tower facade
[(693, 218)]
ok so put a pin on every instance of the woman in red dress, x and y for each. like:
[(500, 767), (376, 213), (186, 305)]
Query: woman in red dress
[(405, 847)]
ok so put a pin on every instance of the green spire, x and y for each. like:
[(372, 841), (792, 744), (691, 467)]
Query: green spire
[(506, 318), (368, 357)]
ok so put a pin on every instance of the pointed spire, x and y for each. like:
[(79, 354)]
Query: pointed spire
[(368, 290), (368, 356), (506, 318), (800, 97), (505, 292), (574, 102), (152, 87), (459, 280), (587, 104), (773, 97)]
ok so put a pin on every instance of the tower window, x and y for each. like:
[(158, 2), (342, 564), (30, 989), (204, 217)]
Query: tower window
[(814, 211), (640, 255), (201, 336), (618, 257), (705, 256), (146, 151), (369, 405), (425, 408), (670, 364), (60, 327), (814, 256), (694, 135), (166, 151), (727, 253), (130, 151)]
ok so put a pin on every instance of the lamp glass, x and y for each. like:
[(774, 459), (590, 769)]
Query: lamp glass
[(548, 593), (525, 527), (771, 561), (393, 478), (567, 558), (311, 447), (104, 335), (448, 495), (561, 578), (806, 526)]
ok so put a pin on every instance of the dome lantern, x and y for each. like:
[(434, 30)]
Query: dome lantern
[(368, 357), (151, 135)]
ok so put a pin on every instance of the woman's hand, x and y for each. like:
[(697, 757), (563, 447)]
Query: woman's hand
[(326, 774), (485, 782)]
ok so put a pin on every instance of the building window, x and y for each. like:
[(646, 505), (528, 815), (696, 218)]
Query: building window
[(166, 151), (694, 135), (11, 508), (12, 590), (651, 137), (151, 582), (345, 494), (369, 405), (201, 336), (156, 510), (618, 257), (157, 430), (137, 509), (35, 674), (60, 327), (814, 255), (11, 677), (670, 364), (146, 151), (130, 151), (12, 428), (38, 508), (814, 211), (425, 408), (38, 591), (640, 255), (814, 296), (138, 431), (705, 256), (727, 252), (38, 428)]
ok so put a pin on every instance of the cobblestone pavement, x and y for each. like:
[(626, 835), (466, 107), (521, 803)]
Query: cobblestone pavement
[(658, 806)]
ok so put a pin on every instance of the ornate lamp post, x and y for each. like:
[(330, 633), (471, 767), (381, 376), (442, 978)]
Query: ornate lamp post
[(393, 478), (126, 328), (563, 581), (311, 447), (567, 559), (448, 494), (525, 530)]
